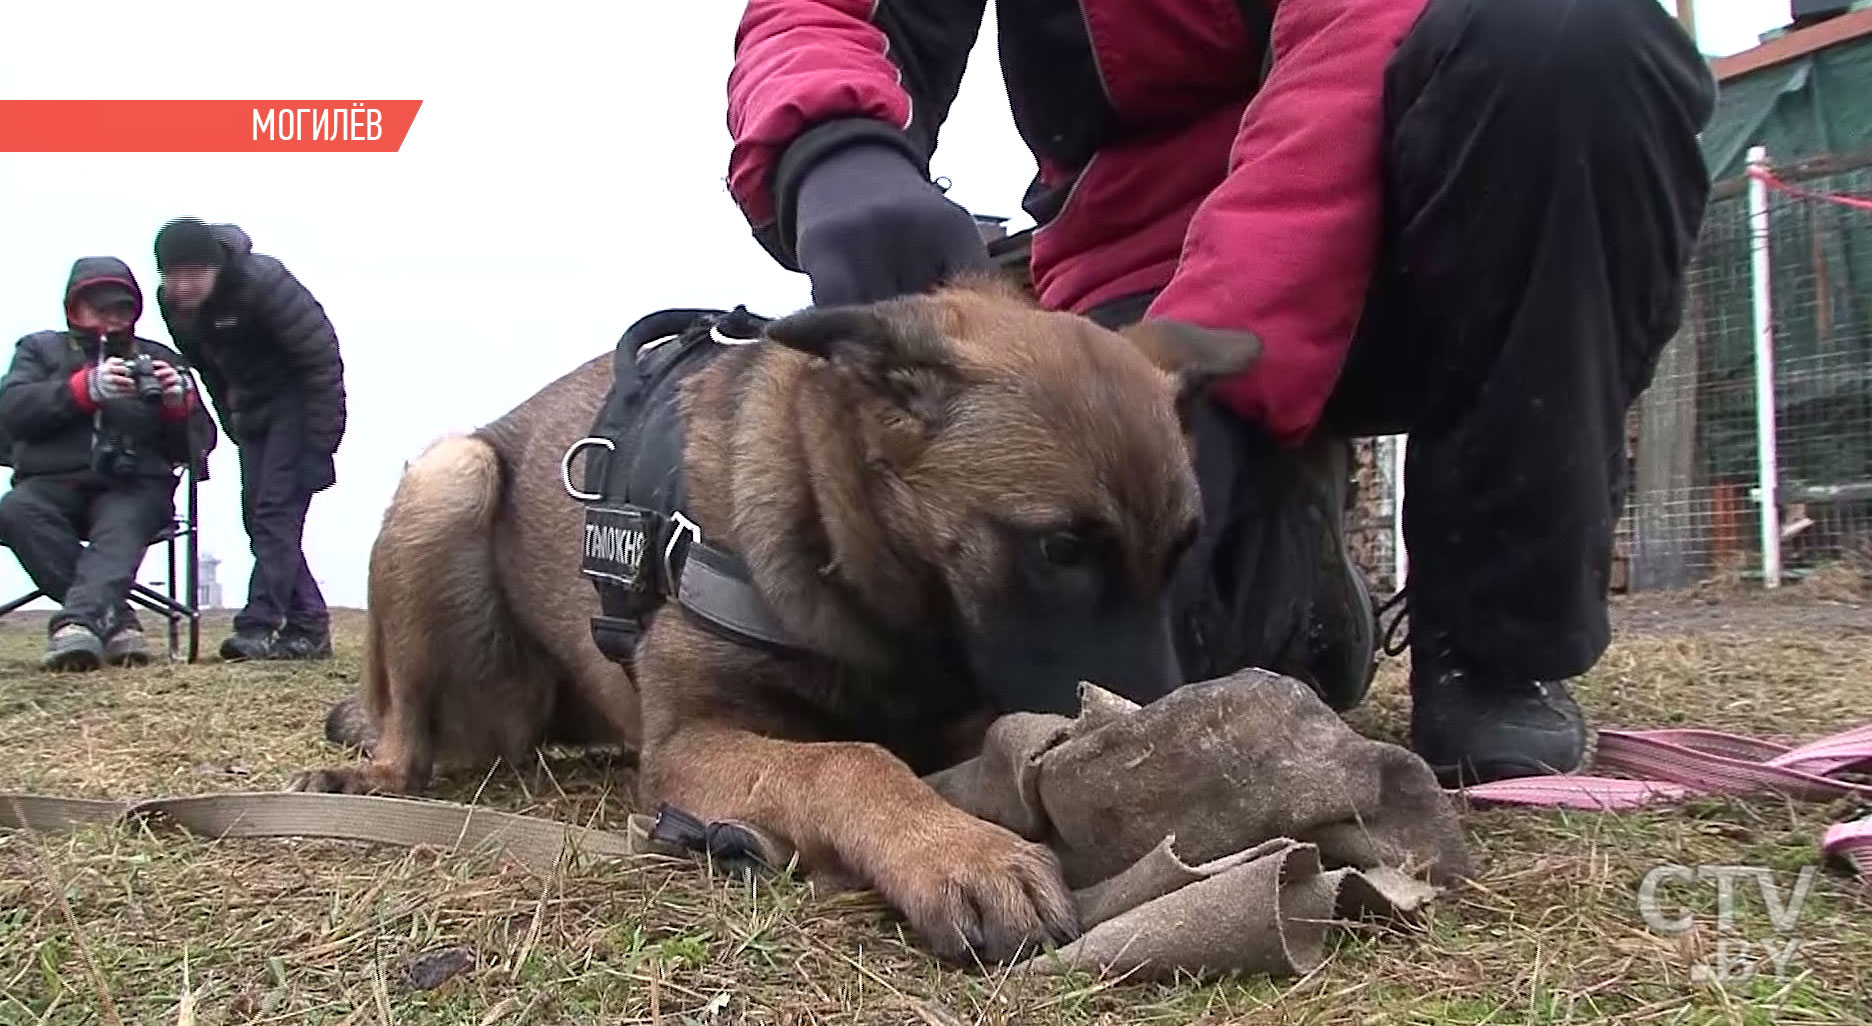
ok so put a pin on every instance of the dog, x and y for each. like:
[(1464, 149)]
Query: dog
[(959, 504)]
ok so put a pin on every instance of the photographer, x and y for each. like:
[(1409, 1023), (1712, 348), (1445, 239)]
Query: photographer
[(95, 420)]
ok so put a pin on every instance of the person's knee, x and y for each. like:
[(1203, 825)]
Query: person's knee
[(132, 526), (278, 523), (1595, 55), (12, 518), (24, 516)]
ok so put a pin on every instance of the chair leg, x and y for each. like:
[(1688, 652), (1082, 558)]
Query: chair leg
[(171, 610), (12, 607), (192, 572), (169, 585)]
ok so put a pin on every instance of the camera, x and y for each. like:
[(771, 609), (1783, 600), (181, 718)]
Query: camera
[(143, 372), (114, 456)]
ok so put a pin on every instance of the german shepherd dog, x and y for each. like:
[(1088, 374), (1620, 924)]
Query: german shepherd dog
[(949, 498)]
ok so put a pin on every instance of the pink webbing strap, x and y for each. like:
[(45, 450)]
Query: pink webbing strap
[(1672, 765)]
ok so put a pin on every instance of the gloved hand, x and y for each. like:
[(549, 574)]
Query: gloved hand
[(174, 391), (869, 226), (110, 379)]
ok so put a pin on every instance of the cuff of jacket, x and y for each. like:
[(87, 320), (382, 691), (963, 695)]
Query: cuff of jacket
[(812, 146), (179, 411), (80, 385)]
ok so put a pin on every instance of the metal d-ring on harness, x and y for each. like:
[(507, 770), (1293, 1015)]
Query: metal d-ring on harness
[(565, 466), (640, 547)]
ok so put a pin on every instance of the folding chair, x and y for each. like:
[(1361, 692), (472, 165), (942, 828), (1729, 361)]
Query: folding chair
[(177, 606)]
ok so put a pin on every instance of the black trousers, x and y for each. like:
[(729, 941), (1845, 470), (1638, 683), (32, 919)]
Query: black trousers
[(1544, 189), (281, 591), (46, 520)]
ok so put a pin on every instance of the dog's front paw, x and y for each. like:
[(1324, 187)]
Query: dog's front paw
[(977, 891)]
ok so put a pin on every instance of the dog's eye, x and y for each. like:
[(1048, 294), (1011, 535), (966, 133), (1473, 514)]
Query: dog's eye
[(1063, 548)]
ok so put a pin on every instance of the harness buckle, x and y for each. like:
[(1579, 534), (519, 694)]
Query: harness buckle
[(681, 525)]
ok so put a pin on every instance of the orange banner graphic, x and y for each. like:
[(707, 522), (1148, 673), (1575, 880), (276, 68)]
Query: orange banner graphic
[(205, 126)]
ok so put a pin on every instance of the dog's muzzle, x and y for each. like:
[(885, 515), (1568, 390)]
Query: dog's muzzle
[(1139, 664)]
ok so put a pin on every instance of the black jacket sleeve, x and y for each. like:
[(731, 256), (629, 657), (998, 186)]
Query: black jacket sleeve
[(36, 400), (202, 437), (309, 343), (212, 382)]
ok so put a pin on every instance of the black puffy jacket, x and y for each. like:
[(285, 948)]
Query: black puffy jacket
[(262, 341), (48, 422)]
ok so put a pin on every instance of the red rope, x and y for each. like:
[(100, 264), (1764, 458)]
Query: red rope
[(1767, 178)]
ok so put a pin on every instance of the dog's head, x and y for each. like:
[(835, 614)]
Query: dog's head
[(1037, 467)]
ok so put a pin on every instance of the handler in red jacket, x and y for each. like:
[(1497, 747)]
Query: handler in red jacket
[(1464, 219)]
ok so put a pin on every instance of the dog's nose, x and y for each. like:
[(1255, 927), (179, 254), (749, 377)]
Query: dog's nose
[(1147, 668)]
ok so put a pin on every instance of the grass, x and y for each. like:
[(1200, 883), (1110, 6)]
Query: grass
[(122, 925)]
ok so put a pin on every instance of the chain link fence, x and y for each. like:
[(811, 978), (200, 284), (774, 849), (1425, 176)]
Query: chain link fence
[(1821, 252)]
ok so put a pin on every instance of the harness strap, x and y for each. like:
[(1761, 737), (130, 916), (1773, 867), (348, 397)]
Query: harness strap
[(641, 547), (717, 587)]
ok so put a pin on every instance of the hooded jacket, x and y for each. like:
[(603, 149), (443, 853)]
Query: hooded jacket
[(261, 342), (50, 425)]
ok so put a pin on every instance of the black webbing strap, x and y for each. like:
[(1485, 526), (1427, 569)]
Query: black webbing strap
[(639, 547)]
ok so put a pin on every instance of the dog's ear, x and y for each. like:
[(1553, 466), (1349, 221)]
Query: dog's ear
[(1195, 356), (890, 349)]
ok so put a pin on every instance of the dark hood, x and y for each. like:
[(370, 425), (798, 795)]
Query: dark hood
[(98, 269), (232, 239)]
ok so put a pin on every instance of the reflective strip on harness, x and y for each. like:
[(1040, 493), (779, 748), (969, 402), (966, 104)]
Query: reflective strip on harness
[(714, 586)]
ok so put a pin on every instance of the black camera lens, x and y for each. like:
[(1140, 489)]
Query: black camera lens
[(143, 371)]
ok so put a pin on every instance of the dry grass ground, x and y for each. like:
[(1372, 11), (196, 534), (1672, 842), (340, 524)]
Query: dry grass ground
[(163, 928)]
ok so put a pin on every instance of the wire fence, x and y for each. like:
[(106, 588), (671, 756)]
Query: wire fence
[(1750, 455)]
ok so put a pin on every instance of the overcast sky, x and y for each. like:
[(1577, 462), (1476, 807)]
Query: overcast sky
[(563, 178)]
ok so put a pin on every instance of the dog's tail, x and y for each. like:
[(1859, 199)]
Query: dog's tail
[(436, 621)]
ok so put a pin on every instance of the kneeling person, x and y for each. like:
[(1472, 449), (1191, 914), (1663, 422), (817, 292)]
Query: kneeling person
[(95, 420)]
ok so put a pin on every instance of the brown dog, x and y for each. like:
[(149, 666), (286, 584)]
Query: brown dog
[(959, 505)]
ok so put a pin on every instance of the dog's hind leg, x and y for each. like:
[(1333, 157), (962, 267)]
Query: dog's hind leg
[(401, 762), (391, 709), (347, 724), (443, 676)]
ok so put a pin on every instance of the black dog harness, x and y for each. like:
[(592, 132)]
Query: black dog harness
[(641, 547)]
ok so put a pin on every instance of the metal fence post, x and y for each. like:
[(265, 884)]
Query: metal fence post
[(1400, 560), (1761, 288)]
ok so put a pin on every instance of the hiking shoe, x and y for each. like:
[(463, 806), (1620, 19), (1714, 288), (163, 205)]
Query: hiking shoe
[(127, 647), (249, 644), (1473, 727), (72, 647), (297, 645), (1341, 639)]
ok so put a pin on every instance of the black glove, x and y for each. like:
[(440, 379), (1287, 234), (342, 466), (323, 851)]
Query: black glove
[(870, 227)]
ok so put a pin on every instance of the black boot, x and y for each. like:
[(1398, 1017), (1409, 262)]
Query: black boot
[(247, 644), (299, 644), (1473, 726)]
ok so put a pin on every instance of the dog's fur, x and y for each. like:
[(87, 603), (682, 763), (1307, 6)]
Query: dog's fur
[(898, 478)]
